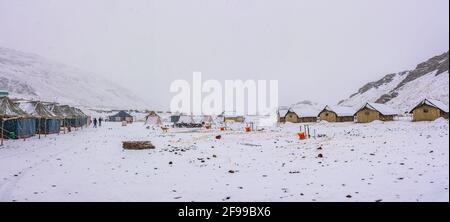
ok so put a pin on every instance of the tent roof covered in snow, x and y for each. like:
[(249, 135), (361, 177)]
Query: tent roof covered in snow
[(36, 109), (122, 114), (434, 103), (340, 110), (382, 108), (79, 112), (207, 119), (152, 114), (64, 111), (9, 109)]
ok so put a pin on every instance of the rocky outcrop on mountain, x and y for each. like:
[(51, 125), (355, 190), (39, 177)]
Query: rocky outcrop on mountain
[(428, 79), (438, 64)]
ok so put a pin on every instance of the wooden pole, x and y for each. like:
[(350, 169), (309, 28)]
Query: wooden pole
[(1, 144), (39, 127), (45, 128)]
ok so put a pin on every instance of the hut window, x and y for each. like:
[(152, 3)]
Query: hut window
[(425, 110), (367, 113), (326, 114)]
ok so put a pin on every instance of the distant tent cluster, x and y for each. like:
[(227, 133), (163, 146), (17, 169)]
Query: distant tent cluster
[(426, 110), (23, 119)]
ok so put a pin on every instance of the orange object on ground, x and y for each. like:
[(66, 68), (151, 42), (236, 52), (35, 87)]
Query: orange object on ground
[(301, 135), (248, 129), (222, 128)]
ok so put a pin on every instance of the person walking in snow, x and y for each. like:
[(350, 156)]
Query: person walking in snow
[(100, 120), (95, 122)]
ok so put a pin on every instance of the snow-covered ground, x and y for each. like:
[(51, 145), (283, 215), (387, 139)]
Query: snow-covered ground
[(395, 161)]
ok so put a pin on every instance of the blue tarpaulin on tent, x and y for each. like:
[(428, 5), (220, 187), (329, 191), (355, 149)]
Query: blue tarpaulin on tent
[(19, 128)]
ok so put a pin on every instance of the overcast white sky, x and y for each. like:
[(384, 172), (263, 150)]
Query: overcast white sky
[(321, 50)]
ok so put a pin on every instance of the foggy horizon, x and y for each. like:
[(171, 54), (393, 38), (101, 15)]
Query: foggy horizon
[(321, 51)]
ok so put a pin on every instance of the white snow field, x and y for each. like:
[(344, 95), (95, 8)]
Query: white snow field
[(393, 161)]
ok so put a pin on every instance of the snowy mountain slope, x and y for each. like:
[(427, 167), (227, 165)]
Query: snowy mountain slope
[(403, 90), (30, 76)]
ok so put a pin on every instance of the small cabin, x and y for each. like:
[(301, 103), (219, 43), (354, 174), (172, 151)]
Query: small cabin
[(429, 110), (337, 114), (375, 111), (281, 114), (301, 115)]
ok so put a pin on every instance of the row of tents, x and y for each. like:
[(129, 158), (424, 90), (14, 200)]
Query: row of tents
[(23, 119), (425, 110)]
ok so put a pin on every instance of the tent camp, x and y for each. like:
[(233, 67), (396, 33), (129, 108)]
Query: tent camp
[(429, 110), (121, 117), (152, 119), (70, 117), (15, 123), (375, 111), (337, 114), (46, 121)]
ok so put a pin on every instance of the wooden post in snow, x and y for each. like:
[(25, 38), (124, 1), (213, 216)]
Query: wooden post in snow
[(39, 127), (1, 144)]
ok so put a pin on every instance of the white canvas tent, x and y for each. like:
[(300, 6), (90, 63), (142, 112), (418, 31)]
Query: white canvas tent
[(153, 119)]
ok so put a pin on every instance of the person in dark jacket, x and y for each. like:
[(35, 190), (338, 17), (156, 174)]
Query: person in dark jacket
[(95, 122), (100, 120)]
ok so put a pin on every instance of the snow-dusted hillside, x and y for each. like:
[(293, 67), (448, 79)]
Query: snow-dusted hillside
[(403, 90), (30, 76)]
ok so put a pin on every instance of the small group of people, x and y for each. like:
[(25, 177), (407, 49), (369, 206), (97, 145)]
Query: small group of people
[(99, 122)]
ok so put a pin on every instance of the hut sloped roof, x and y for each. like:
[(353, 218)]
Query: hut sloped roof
[(304, 112), (434, 103), (79, 112), (341, 110), (9, 109), (283, 111), (382, 108), (36, 109)]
